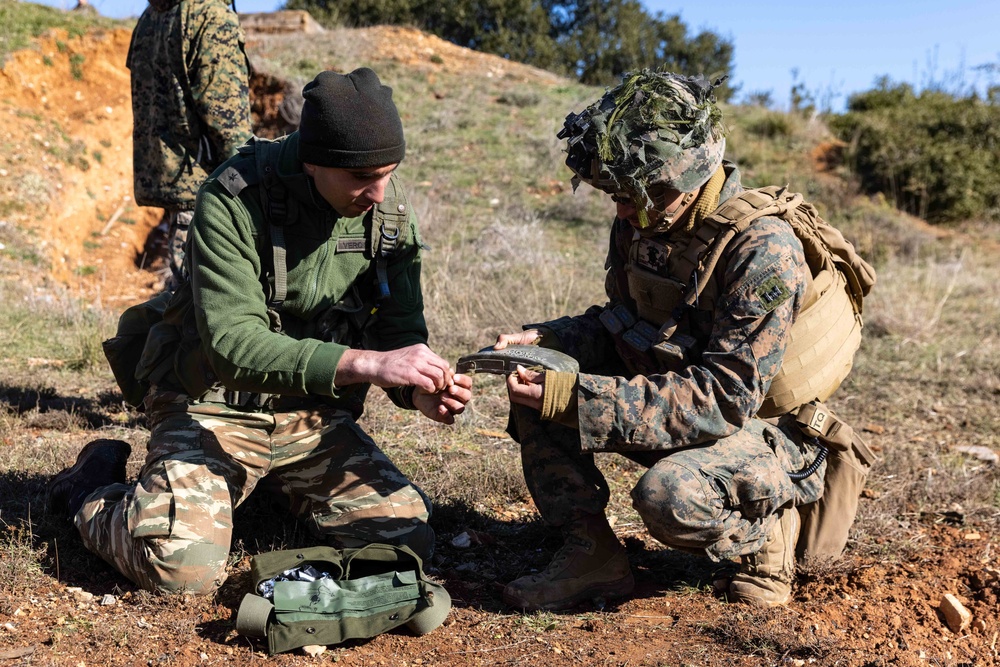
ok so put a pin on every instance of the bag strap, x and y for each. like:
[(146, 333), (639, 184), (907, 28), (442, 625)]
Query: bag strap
[(381, 553), (390, 217), (274, 202)]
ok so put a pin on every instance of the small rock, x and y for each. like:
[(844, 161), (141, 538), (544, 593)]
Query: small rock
[(877, 429), (9, 627), (461, 541), (314, 650), (979, 625), (80, 594), (972, 537), (108, 600), (955, 614)]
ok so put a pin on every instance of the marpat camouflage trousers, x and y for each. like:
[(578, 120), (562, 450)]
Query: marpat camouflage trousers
[(718, 499), (171, 531)]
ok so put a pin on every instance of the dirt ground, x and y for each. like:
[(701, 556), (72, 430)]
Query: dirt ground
[(862, 611)]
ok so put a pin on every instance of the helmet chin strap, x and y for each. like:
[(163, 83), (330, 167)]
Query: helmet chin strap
[(667, 218)]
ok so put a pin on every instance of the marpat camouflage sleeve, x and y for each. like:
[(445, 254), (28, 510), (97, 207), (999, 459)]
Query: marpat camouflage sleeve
[(762, 279), (219, 79)]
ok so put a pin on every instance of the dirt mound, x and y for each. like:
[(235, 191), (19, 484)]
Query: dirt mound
[(68, 132), (421, 51), (69, 128)]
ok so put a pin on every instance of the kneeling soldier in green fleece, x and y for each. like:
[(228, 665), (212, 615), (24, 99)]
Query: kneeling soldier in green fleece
[(676, 366), (303, 291)]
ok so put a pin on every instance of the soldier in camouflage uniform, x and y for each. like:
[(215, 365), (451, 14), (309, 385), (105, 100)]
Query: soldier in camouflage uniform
[(717, 482), (190, 106), (246, 384)]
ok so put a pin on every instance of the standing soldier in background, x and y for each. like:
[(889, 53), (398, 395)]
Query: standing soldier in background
[(190, 106), (705, 284)]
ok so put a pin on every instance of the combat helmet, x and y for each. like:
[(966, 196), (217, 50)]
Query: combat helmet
[(652, 129)]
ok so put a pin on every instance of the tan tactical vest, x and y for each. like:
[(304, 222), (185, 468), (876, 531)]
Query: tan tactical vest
[(827, 332)]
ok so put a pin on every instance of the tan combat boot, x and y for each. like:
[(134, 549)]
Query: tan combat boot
[(765, 578), (592, 563)]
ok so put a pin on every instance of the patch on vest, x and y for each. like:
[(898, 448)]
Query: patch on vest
[(351, 244), (651, 255), (772, 293)]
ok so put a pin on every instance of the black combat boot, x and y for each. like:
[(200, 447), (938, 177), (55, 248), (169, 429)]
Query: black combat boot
[(765, 578), (99, 464), (592, 563)]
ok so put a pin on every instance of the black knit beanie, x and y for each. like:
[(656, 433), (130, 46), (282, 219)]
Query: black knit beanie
[(349, 121)]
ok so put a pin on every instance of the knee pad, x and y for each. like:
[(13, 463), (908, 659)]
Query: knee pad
[(679, 506)]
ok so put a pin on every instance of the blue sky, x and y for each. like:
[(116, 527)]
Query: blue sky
[(837, 47), (842, 47)]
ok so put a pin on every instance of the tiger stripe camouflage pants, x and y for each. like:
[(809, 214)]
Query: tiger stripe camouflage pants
[(172, 530), (719, 499)]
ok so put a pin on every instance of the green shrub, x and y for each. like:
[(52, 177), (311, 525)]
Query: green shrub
[(933, 154), (770, 125), (76, 65)]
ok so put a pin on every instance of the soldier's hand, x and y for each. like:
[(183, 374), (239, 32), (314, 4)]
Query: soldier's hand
[(415, 364), (526, 387), (520, 338), (442, 406)]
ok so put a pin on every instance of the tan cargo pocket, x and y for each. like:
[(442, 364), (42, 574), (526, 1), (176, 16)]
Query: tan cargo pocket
[(827, 522)]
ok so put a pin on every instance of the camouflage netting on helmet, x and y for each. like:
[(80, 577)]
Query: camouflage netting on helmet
[(654, 128)]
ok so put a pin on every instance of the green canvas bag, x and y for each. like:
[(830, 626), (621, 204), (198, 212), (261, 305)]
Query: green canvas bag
[(324, 596)]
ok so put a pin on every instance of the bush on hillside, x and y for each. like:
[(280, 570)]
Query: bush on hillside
[(933, 154)]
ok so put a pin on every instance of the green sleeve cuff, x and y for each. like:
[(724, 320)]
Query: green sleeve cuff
[(402, 397), (559, 398), (322, 368)]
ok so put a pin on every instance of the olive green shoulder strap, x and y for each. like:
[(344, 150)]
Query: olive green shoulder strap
[(389, 231), (259, 167)]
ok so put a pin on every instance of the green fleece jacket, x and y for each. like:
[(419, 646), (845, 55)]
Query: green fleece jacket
[(216, 331)]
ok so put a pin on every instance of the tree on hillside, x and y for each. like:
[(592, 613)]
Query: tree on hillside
[(515, 29), (594, 40), (603, 39)]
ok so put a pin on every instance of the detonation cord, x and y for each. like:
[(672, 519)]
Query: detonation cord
[(814, 466)]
